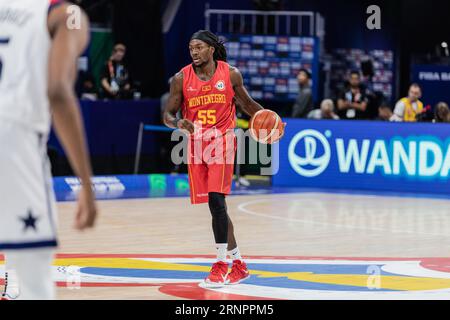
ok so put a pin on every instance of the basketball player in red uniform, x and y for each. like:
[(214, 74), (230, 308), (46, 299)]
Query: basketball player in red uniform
[(205, 91)]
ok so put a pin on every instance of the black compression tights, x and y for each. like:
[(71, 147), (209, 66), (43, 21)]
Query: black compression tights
[(221, 223)]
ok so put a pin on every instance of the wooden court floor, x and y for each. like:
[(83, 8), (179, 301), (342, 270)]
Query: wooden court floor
[(340, 232)]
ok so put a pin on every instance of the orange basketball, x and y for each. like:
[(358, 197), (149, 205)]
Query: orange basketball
[(266, 127)]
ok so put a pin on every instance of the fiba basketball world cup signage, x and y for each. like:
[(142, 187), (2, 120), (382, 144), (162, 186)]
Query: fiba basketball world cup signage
[(365, 156)]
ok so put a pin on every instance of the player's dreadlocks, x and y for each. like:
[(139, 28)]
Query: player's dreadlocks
[(220, 54)]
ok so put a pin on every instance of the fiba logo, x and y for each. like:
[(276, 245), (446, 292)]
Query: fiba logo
[(220, 85), (314, 160)]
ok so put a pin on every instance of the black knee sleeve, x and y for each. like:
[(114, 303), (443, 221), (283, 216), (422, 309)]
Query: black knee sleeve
[(218, 209)]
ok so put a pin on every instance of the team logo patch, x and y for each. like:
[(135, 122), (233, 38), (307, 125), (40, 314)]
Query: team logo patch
[(295, 278), (206, 88), (220, 85)]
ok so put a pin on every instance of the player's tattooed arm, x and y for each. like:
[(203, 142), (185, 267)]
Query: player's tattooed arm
[(174, 105), (243, 99)]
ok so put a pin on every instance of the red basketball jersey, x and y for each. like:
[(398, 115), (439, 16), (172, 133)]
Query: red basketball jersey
[(211, 102)]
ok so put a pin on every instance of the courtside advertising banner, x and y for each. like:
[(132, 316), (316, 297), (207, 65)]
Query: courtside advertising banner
[(360, 155), (434, 81)]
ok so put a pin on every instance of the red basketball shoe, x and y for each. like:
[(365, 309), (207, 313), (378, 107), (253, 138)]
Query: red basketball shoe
[(239, 273), (217, 276)]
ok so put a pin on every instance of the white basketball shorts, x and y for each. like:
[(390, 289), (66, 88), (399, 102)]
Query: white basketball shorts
[(27, 200)]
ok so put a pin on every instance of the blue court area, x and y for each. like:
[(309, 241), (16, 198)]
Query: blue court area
[(283, 280)]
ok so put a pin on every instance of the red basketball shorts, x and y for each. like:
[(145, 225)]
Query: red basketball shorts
[(211, 166)]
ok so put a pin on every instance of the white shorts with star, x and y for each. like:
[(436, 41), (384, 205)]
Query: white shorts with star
[(27, 201)]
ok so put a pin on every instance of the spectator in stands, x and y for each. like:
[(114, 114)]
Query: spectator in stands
[(115, 79), (86, 89), (385, 113), (304, 103), (442, 113), (326, 111), (353, 101), (408, 108)]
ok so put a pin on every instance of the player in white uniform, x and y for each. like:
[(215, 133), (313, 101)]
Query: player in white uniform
[(38, 56)]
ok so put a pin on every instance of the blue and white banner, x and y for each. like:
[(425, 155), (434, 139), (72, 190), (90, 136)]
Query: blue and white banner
[(435, 83), (125, 186), (138, 187), (398, 157)]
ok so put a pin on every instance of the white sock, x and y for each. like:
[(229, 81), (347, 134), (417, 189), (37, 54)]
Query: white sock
[(34, 273), (235, 254), (12, 285), (222, 251)]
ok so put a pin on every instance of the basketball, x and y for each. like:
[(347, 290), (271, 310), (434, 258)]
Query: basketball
[(266, 127)]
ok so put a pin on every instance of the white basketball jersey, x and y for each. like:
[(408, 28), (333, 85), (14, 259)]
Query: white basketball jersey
[(24, 50)]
